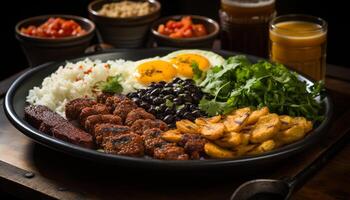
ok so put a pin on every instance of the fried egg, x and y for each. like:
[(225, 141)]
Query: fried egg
[(183, 61), (176, 64), (154, 70)]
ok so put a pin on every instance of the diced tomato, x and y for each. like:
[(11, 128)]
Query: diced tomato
[(188, 33), (182, 29), (161, 29), (199, 30), (169, 23), (55, 28)]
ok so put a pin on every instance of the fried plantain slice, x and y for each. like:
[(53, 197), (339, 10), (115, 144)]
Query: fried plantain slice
[(230, 140), (266, 128), (286, 122), (290, 135), (243, 149), (307, 125), (186, 126), (213, 131), (236, 121), (202, 121), (173, 135), (255, 115), (266, 146), (215, 151)]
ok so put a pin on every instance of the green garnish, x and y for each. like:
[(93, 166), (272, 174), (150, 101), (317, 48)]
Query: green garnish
[(169, 103), (112, 84), (198, 75), (239, 83), (212, 107)]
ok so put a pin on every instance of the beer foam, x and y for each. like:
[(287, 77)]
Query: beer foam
[(248, 3)]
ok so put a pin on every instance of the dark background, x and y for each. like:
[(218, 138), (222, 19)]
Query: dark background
[(334, 12)]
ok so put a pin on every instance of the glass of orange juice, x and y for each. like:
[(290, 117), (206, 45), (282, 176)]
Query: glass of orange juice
[(299, 41)]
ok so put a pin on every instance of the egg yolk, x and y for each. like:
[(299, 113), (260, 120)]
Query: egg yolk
[(184, 62), (155, 71)]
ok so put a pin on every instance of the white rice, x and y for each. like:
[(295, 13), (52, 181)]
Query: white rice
[(76, 80)]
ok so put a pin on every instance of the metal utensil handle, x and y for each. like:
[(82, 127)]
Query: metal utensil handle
[(326, 155)]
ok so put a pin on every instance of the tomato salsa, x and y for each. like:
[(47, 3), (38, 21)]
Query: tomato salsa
[(55, 28), (184, 28)]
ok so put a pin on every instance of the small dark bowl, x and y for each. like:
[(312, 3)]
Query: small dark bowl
[(127, 32), (196, 42), (39, 50)]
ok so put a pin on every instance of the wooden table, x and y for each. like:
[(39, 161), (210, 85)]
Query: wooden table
[(31, 171)]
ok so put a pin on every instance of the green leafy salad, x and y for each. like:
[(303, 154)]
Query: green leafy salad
[(239, 83)]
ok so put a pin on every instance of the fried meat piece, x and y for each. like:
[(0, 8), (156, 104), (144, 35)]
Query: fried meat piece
[(102, 98), (193, 145), (112, 101), (92, 120), (152, 140), (141, 125), (138, 113), (124, 107), (53, 124), (74, 107), (93, 110), (105, 130), (34, 114), (42, 118), (67, 132), (170, 152), (129, 144)]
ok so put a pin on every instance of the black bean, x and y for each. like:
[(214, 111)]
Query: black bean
[(180, 112), (195, 97), (169, 119), (189, 116), (169, 96), (160, 109), (163, 107), (169, 111), (188, 81), (193, 107), (188, 107), (177, 80), (158, 100), (145, 105), (170, 84), (143, 96), (136, 100), (196, 113), (177, 118), (160, 115), (152, 109), (155, 92), (167, 90), (179, 91), (153, 85), (177, 101), (162, 83), (185, 97), (130, 95)]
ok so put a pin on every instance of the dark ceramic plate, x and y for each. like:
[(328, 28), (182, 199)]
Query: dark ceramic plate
[(15, 102)]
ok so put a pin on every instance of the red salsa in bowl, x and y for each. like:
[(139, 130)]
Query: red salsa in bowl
[(55, 28)]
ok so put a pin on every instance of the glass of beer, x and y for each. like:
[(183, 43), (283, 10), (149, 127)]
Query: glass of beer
[(245, 25), (299, 41)]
